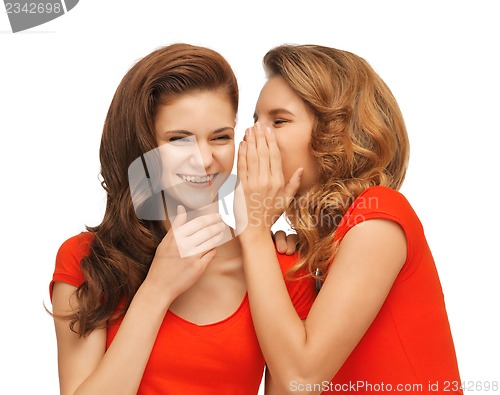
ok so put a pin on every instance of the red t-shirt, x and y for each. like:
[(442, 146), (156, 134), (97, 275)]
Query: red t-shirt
[(409, 347), (220, 358)]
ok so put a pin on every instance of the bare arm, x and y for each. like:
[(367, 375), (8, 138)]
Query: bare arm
[(269, 386), (85, 367)]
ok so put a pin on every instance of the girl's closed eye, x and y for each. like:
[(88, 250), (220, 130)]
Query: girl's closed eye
[(279, 122), (226, 137), (180, 139)]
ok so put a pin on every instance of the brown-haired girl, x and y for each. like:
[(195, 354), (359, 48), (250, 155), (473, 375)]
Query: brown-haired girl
[(327, 122), (137, 308)]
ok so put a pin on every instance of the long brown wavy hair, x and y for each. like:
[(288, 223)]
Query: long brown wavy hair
[(123, 245), (358, 140)]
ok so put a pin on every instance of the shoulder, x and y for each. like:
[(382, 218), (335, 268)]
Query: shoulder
[(68, 258), (382, 199), (380, 203), (76, 247)]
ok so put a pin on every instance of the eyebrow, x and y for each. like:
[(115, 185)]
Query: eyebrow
[(275, 111), (188, 133)]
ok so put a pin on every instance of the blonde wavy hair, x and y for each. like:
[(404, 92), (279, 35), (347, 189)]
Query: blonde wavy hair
[(359, 140)]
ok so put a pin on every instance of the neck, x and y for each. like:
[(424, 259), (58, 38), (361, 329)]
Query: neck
[(231, 249)]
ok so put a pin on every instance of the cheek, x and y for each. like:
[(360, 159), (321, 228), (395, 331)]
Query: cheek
[(281, 144), (227, 155), (295, 153), (287, 161), (173, 157), (292, 148)]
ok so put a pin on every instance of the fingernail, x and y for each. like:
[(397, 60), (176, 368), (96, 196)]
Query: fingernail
[(258, 125), (268, 130)]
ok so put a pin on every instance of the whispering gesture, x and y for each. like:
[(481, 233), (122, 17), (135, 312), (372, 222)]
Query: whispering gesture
[(267, 194)]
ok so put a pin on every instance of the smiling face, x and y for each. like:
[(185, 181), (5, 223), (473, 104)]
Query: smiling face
[(195, 136), (283, 110)]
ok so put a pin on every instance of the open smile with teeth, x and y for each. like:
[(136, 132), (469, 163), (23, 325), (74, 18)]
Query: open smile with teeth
[(197, 179)]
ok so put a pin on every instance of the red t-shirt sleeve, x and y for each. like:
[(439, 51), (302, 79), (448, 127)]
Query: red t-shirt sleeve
[(385, 203), (301, 288), (67, 267)]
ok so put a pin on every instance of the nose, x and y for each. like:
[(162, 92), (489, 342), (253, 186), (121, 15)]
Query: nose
[(263, 122), (203, 157)]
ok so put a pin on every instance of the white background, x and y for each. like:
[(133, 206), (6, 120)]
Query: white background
[(440, 58)]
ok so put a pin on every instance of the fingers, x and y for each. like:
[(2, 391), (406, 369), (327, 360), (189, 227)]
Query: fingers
[(262, 152), (199, 234), (274, 156), (252, 157), (193, 226), (293, 185), (259, 155), (242, 162), (207, 236), (286, 244), (280, 241), (180, 218), (207, 257), (209, 244), (291, 241), (260, 170)]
